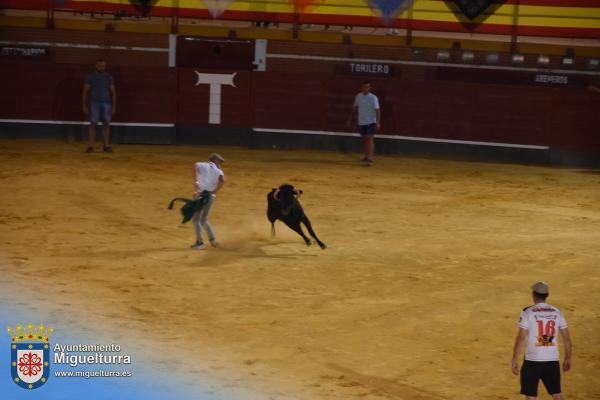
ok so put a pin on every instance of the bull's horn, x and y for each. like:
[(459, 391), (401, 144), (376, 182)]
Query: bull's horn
[(275, 195)]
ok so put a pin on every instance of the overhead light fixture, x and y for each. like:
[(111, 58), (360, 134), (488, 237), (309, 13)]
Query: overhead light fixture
[(443, 55), (568, 61), (544, 60), (468, 56), (593, 63), (492, 58), (518, 58)]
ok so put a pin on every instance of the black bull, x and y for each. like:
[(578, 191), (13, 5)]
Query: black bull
[(283, 205)]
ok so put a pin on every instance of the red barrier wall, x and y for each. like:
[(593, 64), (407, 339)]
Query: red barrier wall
[(47, 91), (102, 41), (517, 114), (563, 118)]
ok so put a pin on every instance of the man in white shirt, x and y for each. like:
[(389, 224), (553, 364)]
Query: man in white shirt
[(369, 118), (538, 327), (208, 177)]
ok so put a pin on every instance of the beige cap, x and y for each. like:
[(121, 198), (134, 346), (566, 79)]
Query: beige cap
[(540, 287), (216, 157)]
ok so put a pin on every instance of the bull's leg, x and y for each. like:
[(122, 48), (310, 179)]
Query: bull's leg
[(298, 229), (272, 220), (308, 225)]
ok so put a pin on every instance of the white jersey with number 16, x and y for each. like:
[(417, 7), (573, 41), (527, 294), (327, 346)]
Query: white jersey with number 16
[(543, 322)]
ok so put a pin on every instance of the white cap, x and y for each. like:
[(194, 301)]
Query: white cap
[(216, 157), (540, 287)]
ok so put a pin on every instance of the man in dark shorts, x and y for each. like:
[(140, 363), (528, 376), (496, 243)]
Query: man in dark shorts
[(369, 117), (538, 328), (101, 104)]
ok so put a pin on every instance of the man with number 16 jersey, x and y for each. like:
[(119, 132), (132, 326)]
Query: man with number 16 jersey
[(539, 326)]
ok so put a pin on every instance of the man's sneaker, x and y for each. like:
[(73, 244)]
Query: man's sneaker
[(198, 246), (108, 149), (368, 161), (214, 243), (89, 150)]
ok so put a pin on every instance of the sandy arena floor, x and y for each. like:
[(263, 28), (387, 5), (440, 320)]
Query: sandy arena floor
[(417, 297)]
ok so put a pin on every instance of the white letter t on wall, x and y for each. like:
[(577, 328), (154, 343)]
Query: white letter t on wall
[(215, 81)]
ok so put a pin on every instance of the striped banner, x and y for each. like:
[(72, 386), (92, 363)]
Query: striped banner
[(563, 18)]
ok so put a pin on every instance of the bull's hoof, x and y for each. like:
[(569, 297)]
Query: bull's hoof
[(308, 244), (323, 246)]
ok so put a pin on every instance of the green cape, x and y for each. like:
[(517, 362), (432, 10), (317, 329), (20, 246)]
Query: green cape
[(191, 206)]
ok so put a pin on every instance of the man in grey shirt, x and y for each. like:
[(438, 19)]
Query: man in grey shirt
[(100, 88), (369, 117)]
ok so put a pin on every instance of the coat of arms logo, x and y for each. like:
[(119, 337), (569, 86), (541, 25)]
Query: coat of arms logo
[(30, 355)]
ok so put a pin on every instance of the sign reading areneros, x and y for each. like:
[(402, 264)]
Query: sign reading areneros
[(372, 69), (551, 79), (503, 77), (16, 51)]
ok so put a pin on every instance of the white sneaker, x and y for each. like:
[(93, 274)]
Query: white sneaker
[(198, 246), (214, 243)]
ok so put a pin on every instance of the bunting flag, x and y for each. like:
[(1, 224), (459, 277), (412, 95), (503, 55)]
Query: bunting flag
[(302, 5), (472, 8), (389, 9), (217, 7), (143, 6)]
